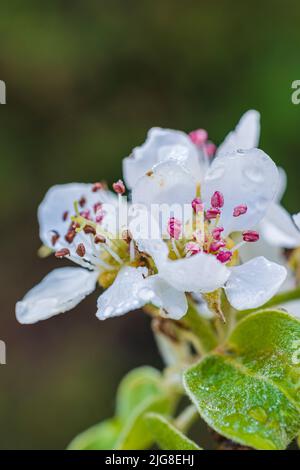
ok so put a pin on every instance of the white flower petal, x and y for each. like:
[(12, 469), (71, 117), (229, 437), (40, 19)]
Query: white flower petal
[(199, 273), (161, 145), (244, 177), (60, 291), (282, 184), (278, 228), (131, 290), (245, 136), (296, 219), (262, 248), (293, 308), (252, 284), (167, 183), (123, 295), (162, 295)]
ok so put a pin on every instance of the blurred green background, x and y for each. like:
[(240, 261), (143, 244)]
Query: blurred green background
[(85, 80)]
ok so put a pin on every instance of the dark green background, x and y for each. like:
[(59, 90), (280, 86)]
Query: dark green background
[(85, 80)]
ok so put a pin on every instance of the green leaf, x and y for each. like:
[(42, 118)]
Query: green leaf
[(136, 435), (167, 436), (140, 392), (249, 390), (102, 436), (137, 386)]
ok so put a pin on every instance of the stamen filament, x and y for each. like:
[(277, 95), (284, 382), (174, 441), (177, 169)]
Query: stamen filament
[(112, 253), (238, 246), (175, 249)]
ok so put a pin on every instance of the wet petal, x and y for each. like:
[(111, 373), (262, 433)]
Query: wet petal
[(60, 291), (296, 219), (278, 228), (293, 308), (252, 284), (167, 183), (199, 273), (161, 145), (245, 177), (262, 248), (245, 135), (282, 184), (159, 293), (131, 290), (123, 295)]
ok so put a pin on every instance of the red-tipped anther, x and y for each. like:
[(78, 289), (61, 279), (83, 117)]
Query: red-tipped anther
[(55, 237), (119, 187), (215, 246), (86, 214), (239, 210), (197, 205), (65, 215), (210, 149), (82, 201), (174, 228), (217, 199), (250, 236), (89, 229), (97, 187), (192, 248), (99, 239), (62, 253), (216, 233), (70, 235), (80, 250), (212, 213), (74, 226), (224, 256), (198, 137), (97, 206), (99, 216)]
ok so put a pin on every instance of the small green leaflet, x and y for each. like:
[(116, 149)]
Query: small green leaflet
[(140, 392), (167, 436)]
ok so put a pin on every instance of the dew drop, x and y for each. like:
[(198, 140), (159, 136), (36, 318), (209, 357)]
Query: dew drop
[(254, 174), (261, 203)]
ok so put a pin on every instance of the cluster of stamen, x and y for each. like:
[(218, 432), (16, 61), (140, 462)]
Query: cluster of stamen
[(87, 218), (207, 235)]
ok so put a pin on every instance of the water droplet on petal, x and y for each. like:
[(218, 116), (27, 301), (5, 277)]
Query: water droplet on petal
[(254, 174), (261, 203)]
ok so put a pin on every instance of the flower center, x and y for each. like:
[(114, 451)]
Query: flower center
[(91, 245), (206, 234)]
